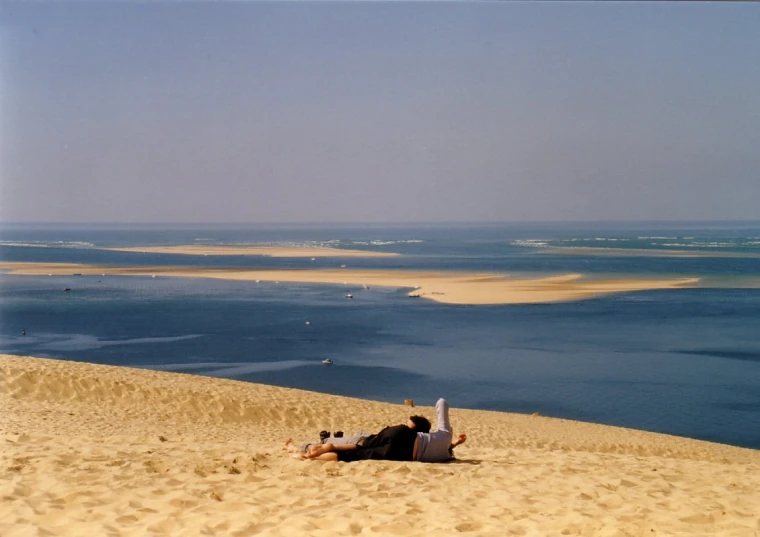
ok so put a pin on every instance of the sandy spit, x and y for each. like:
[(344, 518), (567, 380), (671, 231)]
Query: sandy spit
[(271, 251), (99, 450), (445, 287)]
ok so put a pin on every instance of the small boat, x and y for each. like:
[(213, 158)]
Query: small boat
[(67, 288), (308, 323), (349, 295), (327, 361)]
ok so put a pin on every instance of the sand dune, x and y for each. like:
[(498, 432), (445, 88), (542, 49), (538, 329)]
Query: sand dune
[(98, 450), (446, 287)]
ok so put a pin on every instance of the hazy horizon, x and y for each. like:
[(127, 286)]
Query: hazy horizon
[(243, 113), (381, 224)]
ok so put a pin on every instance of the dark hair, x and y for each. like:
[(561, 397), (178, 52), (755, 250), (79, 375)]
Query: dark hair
[(421, 425)]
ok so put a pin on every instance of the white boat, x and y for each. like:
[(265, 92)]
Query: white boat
[(327, 361), (349, 295)]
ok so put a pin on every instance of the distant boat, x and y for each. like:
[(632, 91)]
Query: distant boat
[(67, 288), (349, 295), (327, 361), (308, 323)]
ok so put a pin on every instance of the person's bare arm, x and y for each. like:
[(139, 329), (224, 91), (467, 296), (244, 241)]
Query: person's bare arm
[(461, 439), (320, 449)]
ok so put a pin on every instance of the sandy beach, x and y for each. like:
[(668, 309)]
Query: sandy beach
[(270, 251), (99, 450), (445, 287)]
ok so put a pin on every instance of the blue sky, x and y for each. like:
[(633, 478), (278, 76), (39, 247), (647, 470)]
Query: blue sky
[(379, 111)]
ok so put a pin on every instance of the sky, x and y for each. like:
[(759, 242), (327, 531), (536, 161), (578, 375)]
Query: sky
[(308, 111)]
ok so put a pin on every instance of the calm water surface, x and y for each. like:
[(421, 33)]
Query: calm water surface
[(684, 362)]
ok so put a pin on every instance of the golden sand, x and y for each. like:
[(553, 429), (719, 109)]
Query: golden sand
[(271, 251), (446, 287), (98, 450)]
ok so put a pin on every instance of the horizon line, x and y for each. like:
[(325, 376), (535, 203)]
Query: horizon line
[(376, 223)]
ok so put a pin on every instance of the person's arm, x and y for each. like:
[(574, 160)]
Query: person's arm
[(319, 449), (442, 413), (461, 439)]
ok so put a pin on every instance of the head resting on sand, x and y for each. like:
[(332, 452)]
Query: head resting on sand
[(421, 425)]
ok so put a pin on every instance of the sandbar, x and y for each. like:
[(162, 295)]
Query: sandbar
[(445, 287), (269, 251), (641, 252), (100, 450)]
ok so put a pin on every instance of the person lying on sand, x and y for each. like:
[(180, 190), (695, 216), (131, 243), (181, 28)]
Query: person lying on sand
[(297, 450), (418, 423), (397, 443)]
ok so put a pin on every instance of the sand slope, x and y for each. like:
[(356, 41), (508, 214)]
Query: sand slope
[(98, 450)]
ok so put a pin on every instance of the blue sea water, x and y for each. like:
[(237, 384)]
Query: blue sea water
[(683, 362)]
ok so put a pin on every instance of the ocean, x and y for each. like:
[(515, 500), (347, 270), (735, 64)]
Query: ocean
[(680, 361)]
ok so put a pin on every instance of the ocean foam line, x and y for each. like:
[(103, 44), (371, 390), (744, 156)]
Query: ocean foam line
[(385, 242), (597, 239), (328, 244), (532, 243), (49, 244), (706, 244)]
